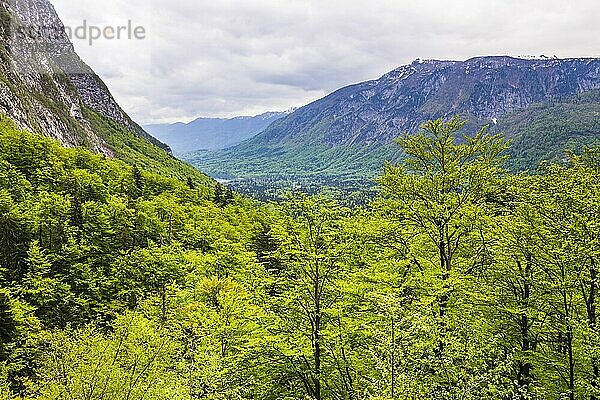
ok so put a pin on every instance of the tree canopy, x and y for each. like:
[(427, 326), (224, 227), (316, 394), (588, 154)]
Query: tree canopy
[(459, 280)]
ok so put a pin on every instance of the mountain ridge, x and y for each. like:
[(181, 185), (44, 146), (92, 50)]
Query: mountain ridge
[(205, 133), (45, 87), (364, 118)]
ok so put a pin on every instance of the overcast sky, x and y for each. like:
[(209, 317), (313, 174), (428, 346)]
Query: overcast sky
[(242, 57)]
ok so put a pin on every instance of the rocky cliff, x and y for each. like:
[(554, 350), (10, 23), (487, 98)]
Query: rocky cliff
[(44, 85)]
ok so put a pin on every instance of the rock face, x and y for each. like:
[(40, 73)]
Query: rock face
[(44, 85), (352, 128), (483, 88)]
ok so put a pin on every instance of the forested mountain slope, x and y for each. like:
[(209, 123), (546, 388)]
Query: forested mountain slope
[(350, 131), (543, 131), (84, 239), (46, 88), (459, 281)]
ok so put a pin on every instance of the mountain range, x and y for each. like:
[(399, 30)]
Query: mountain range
[(542, 105), (212, 133)]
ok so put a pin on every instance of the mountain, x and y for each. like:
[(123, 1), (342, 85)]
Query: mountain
[(212, 133), (351, 131), (47, 89)]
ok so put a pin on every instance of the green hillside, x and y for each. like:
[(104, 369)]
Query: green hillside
[(541, 132), (544, 131), (135, 150), (460, 280)]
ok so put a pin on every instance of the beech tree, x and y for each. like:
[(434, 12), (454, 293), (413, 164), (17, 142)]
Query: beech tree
[(310, 249), (459, 281), (439, 196)]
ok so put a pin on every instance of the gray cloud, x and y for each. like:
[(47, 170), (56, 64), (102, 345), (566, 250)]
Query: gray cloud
[(233, 57)]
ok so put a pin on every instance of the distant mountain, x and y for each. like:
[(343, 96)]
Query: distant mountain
[(212, 133), (351, 131)]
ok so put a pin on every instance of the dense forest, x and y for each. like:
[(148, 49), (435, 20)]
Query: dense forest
[(458, 280)]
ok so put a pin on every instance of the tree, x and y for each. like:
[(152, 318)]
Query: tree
[(219, 198), (137, 361), (225, 339), (190, 183), (152, 271), (439, 196), (223, 196), (55, 304), (13, 238), (8, 325), (138, 181), (310, 252), (518, 295), (229, 197), (5, 390), (568, 201)]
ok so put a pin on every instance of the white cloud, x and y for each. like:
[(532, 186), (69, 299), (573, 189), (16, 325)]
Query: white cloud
[(232, 57)]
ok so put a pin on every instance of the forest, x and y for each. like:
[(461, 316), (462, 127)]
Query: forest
[(457, 280)]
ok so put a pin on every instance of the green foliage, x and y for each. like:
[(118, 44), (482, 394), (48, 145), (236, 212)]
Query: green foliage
[(438, 202), (290, 161), (308, 232), (540, 132), (88, 238), (138, 360), (138, 151), (8, 325), (459, 281), (223, 196), (544, 132)]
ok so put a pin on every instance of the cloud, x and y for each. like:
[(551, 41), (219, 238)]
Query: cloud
[(234, 57)]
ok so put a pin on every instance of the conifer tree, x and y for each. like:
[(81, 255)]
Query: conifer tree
[(190, 183), (138, 181)]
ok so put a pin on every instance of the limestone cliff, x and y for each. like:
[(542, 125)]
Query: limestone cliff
[(46, 87)]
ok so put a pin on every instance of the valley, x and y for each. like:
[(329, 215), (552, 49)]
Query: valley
[(431, 234), (212, 133)]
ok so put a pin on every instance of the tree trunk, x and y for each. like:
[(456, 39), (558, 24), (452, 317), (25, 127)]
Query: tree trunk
[(443, 301), (592, 322), (393, 360), (444, 297), (571, 362), (163, 300), (524, 374), (317, 336)]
